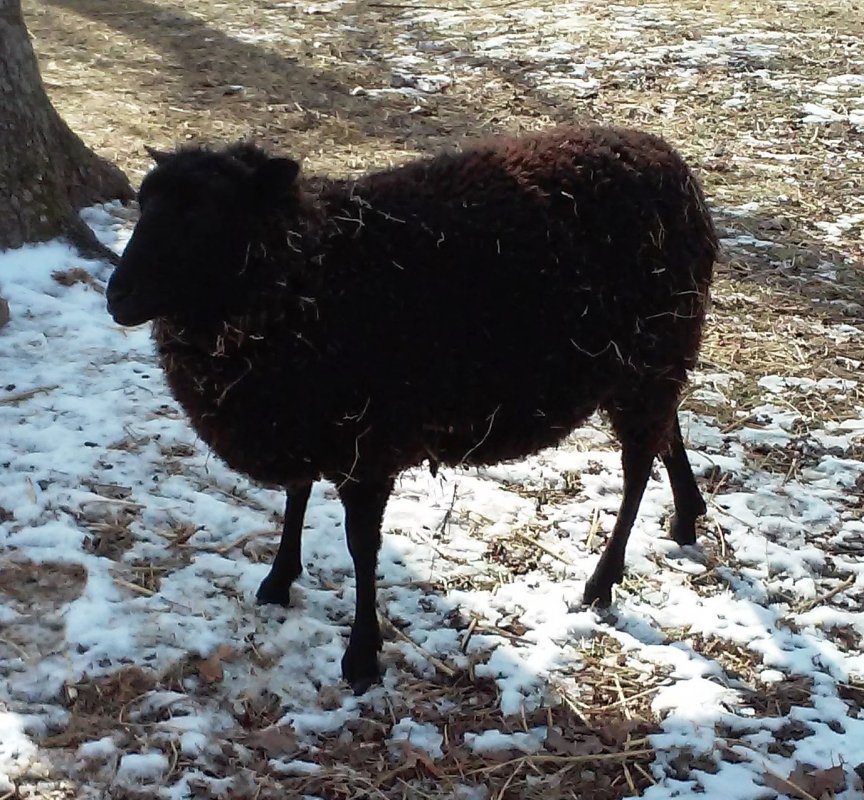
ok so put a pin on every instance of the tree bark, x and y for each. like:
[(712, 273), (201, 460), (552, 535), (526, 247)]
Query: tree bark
[(46, 172)]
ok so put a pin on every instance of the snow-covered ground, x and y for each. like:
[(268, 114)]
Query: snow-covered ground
[(132, 654), (124, 545)]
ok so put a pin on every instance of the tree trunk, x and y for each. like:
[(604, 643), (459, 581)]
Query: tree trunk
[(46, 172)]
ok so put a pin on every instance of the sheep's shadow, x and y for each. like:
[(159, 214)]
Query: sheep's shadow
[(736, 665), (772, 253)]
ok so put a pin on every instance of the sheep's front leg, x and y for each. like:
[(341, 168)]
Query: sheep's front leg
[(287, 566), (364, 504), (610, 568)]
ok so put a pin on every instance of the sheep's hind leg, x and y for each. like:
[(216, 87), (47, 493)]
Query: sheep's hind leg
[(689, 505), (643, 422), (287, 566), (364, 504)]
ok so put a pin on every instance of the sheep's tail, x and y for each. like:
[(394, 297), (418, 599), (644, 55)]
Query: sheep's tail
[(703, 253), (706, 229)]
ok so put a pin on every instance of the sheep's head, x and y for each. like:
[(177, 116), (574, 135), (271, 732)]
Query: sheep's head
[(188, 255)]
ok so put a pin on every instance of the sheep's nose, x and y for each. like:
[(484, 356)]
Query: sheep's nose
[(116, 293)]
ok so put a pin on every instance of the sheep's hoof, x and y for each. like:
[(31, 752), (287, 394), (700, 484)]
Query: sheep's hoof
[(360, 668), (597, 592), (682, 531), (362, 685), (274, 590)]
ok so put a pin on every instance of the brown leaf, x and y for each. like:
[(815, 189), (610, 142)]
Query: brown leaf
[(277, 740), (70, 277), (515, 627), (806, 782), (210, 668), (501, 756), (367, 730), (330, 697), (415, 755), (587, 746), (226, 653), (557, 744), (583, 745), (616, 733), (459, 754), (820, 781)]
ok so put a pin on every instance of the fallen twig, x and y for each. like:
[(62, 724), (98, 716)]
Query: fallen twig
[(17, 647), (624, 700), (545, 548), (800, 790), (111, 501), (436, 662), (822, 598), (580, 759), (134, 587), (594, 529), (10, 399)]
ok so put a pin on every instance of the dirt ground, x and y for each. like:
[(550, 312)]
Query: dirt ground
[(350, 86)]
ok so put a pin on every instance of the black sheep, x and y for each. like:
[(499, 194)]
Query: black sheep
[(466, 309)]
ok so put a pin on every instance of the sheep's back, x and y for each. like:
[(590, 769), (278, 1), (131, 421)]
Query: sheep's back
[(516, 286)]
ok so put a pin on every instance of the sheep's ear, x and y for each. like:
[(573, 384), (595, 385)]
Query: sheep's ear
[(276, 176), (159, 156)]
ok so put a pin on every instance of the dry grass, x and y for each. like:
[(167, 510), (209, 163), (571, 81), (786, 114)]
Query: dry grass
[(25, 582), (606, 757)]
